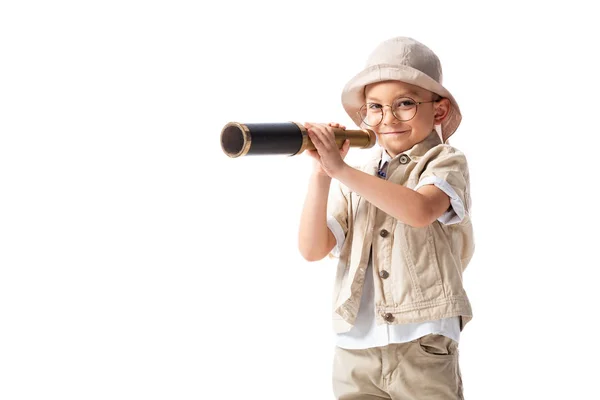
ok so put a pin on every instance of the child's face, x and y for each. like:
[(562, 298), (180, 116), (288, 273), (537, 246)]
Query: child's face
[(397, 136)]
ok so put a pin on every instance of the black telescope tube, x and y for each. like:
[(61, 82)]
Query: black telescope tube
[(261, 139), (275, 138)]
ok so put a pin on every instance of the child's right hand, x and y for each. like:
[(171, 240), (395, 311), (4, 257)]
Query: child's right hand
[(318, 169)]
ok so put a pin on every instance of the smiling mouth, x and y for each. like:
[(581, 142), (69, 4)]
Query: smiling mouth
[(395, 133)]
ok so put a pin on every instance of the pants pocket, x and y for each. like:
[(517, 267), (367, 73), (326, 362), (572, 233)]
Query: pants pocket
[(437, 346)]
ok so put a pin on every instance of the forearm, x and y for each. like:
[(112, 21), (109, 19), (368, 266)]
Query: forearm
[(315, 240), (400, 202)]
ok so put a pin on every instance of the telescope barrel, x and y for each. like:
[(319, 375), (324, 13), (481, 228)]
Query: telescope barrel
[(287, 138)]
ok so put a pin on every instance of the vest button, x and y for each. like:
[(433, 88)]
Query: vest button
[(383, 233), (388, 317), (404, 159), (384, 274)]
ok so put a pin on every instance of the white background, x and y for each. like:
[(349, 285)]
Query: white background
[(137, 261)]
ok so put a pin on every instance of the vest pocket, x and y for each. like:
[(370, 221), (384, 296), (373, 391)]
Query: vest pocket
[(422, 262)]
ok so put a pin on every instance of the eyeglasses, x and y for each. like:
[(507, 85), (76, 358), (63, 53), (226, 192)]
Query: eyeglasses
[(403, 109)]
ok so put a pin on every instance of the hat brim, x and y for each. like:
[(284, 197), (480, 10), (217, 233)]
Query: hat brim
[(353, 93)]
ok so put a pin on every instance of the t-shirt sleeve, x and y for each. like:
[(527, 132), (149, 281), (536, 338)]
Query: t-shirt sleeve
[(448, 171), (337, 216)]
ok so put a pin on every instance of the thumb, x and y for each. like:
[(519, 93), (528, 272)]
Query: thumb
[(346, 146)]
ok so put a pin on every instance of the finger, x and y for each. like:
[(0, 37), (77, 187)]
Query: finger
[(336, 125), (314, 138), (328, 137), (318, 137), (345, 147)]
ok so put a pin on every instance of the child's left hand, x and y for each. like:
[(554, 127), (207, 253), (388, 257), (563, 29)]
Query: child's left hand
[(331, 156)]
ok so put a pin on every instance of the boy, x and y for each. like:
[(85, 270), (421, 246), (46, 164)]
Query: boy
[(400, 225)]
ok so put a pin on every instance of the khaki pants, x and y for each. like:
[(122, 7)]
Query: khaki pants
[(424, 369)]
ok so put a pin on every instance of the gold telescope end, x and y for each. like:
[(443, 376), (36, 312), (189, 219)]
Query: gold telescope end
[(372, 138), (235, 139)]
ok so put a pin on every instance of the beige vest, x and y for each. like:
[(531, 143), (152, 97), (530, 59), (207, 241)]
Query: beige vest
[(418, 271)]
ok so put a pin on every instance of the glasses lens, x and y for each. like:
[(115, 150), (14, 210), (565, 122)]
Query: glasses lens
[(404, 109), (371, 114)]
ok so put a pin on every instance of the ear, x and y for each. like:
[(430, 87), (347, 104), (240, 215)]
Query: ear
[(442, 109)]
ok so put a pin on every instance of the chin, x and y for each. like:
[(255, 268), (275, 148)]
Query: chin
[(399, 144)]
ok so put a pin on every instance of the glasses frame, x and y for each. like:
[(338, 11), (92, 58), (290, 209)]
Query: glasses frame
[(417, 103)]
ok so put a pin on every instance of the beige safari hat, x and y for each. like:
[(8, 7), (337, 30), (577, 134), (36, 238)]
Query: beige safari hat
[(401, 59)]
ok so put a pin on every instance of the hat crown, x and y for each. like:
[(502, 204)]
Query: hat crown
[(408, 52)]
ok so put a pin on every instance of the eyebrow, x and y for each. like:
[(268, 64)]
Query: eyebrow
[(405, 94)]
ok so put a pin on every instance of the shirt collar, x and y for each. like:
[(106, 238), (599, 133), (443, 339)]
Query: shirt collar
[(380, 155), (385, 157), (419, 149)]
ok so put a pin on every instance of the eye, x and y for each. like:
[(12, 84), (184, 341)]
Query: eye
[(405, 103), (374, 106)]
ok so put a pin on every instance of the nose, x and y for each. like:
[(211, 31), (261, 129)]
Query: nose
[(388, 116)]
